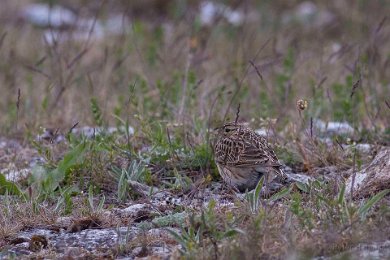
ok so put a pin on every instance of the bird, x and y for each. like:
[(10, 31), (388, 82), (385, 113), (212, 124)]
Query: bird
[(242, 157)]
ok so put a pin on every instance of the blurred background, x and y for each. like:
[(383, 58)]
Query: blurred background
[(192, 62)]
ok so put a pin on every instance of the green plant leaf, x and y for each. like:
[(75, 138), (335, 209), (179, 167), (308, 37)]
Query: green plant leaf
[(283, 193), (302, 186), (71, 159), (341, 194), (258, 188), (96, 112), (232, 232), (363, 210), (8, 187)]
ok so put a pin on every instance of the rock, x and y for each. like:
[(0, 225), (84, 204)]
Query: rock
[(362, 148), (333, 128), (374, 250), (306, 10), (373, 177), (295, 177), (15, 175), (36, 161), (90, 132), (37, 243), (88, 241), (53, 136), (142, 189), (138, 212), (160, 252), (309, 15), (50, 135), (262, 131), (64, 222), (27, 242), (210, 11), (46, 16)]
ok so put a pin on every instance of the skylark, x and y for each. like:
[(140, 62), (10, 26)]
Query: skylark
[(243, 157)]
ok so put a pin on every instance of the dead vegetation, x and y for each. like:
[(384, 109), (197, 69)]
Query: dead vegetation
[(173, 78)]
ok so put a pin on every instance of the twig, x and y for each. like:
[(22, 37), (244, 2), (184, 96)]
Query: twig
[(89, 37), (355, 86), (73, 127), (171, 146), (328, 95), (2, 37), (311, 127), (387, 104), (54, 136), (338, 142), (17, 109), (237, 114), (77, 57), (40, 61), (354, 174), (35, 69), (242, 80), (322, 81), (381, 25), (256, 69), (102, 3)]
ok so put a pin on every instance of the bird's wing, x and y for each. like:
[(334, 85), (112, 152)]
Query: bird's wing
[(242, 153), (226, 152), (253, 154)]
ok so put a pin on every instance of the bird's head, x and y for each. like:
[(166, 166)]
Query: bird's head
[(228, 129)]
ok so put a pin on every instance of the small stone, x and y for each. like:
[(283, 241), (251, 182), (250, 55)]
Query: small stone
[(64, 222), (333, 128), (373, 177), (138, 212), (362, 148), (48, 16), (15, 175), (262, 132), (37, 243), (295, 177)]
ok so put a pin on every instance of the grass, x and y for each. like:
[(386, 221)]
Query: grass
[(174, 80)]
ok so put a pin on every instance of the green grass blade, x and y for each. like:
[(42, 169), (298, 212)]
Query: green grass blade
[(363, 210), (256, 194), (302, 186), (283, 193), (341, 194), (8, 187)]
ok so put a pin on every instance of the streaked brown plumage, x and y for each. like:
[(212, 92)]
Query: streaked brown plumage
[(243, 157)]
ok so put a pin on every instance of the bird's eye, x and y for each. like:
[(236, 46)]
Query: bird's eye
[(227, 130)]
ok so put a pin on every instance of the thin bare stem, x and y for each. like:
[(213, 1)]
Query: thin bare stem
[(17, 109), (237, 114), (243, 78)]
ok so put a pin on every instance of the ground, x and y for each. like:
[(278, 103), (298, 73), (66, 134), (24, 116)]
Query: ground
[(107, 118)]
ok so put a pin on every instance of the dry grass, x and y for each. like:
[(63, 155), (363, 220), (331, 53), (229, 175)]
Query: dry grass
[(16, 216), (57, 82), (173, 80)]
